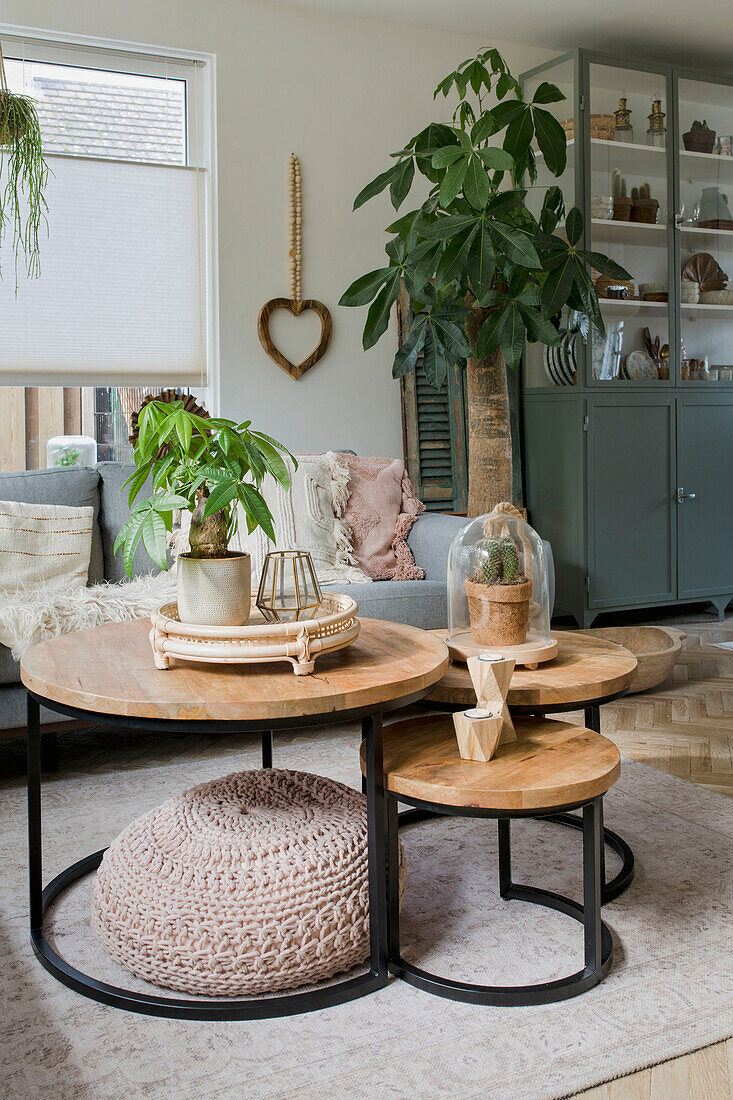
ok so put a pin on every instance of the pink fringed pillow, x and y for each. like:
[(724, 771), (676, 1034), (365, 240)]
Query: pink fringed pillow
[(380, 512)]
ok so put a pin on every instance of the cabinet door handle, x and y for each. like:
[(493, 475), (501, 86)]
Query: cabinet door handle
[(682, 496)]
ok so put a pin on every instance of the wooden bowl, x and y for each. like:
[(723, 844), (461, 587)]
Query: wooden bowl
[(656, 648)]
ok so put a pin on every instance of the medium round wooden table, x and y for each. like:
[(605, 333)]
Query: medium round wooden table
[(586, 673), (108, 675), (553, 766)]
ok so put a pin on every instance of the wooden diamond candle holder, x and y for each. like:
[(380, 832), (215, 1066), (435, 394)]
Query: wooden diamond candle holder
[(478, 732), (491, 675)]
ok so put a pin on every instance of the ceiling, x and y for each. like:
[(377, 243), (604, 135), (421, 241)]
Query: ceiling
[(694, 35)]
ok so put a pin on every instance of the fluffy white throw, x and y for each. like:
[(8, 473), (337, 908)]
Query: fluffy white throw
[(31, 614)]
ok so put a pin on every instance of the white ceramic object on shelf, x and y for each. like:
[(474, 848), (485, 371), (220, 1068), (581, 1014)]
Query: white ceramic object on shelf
[(334, 627), (717, 297), (214, 591)]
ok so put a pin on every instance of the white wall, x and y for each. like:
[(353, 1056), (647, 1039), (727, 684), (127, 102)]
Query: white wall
[(342, 93)]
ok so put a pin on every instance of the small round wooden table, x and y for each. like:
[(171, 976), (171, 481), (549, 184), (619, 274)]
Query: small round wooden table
[(553, 766), (586, 673), (108, 675)]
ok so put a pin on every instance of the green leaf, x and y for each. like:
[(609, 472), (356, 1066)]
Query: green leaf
[(557, 287), (519, 134), (383, 180), (220, 496), (434, 363), (552, 140), (447, 226), (481, 261), (512, 335), (483, 128), (453, 180), (137, 480), (548, 93), (584, 286), (274, 462), (131, 542), (505, 113), (553, 206), (364, 289), (256, 510), (154, 533), (574, 226), (488, 338), (515, 245), (378, 317), (164, 502), (476, 187), (453, 261), (498, 159), (539, 328), (605, 265), (406, 357), (400, 186), (443, 158), (452, 337)]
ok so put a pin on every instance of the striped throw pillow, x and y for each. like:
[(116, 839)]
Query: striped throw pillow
[(44, 544)]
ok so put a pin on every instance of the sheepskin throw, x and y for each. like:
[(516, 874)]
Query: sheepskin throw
[(33, 614), (380, 512), (252, 883), (44, 544), (308, 517)]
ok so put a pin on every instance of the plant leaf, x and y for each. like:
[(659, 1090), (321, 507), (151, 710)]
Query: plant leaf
[(498, 159), (406, 357), (154, 533), (548, 93), (447, 226), (476, 187), (364, 289), (574, 226), (552, 140), (453, 180), (481, 261), (382, 180), (515, 245), (378, 316), (400, 186), (605, 265), (256, 510), (519, 134)]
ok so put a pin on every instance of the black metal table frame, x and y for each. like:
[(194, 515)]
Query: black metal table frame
[(592, 714), (212, 1009), (598, 943)]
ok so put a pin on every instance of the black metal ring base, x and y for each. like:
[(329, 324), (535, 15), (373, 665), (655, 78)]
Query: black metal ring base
[(516, 995), (176, 1008), (610, 890)]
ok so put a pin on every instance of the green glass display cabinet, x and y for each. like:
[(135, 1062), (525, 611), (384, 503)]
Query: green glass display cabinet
[(628, 436)]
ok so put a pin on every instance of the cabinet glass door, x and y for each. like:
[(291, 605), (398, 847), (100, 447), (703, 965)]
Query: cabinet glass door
[(552, 367), (627, 175), (705, 220)]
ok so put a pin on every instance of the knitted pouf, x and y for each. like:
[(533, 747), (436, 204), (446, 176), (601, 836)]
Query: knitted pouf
[(248, 884)]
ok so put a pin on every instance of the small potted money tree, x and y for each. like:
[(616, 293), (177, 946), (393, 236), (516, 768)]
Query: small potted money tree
[(212, 468)]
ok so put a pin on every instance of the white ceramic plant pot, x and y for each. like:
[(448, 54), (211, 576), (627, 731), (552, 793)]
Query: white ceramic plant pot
[(214, 591)]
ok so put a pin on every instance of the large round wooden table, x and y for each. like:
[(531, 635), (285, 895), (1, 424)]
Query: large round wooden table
[(587, 672), (107, 675)]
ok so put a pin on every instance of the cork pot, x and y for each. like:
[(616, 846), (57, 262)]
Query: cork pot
[(214, 591), (499, 613)]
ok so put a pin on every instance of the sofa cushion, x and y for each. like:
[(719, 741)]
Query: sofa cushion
[(72, 485), (9, 667), (424, 604), (114, 512)]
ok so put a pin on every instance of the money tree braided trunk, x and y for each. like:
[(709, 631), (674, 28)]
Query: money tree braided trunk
[(490, 472)]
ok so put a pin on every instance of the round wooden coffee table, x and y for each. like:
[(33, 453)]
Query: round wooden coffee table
[(552, 766), (586, 673), (108, 675)]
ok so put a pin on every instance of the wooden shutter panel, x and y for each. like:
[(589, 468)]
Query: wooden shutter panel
[(434, 432)]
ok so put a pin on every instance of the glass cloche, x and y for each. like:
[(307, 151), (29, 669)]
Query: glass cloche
[(498, 594)]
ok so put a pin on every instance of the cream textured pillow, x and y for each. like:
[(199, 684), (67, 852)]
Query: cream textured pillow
[(308, 517), (44, 544)]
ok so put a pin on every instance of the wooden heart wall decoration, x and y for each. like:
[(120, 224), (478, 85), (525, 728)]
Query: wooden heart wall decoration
[(295, 304)]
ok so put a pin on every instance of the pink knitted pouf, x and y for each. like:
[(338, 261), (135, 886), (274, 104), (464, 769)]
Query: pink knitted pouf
[(248, 884)]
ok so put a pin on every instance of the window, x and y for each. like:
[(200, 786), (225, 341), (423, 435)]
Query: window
[(105, 116)]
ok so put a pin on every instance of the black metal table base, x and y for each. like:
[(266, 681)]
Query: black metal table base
[(598, 943), (262, 1007)]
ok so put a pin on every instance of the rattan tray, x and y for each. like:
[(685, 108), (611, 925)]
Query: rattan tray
[(335, 627)]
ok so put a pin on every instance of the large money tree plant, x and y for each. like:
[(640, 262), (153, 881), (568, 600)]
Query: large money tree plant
[(483, 273)]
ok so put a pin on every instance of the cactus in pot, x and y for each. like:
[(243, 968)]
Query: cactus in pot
[(498, 593)]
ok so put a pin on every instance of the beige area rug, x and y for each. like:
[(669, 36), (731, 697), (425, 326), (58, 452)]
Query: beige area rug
[(670, 990)]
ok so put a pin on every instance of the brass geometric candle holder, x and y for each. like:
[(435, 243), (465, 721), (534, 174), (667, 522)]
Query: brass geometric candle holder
[(289, 590)]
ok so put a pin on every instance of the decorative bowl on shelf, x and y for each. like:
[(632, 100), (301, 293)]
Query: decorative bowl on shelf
[(653, 292), (717, 297), (690, 293)]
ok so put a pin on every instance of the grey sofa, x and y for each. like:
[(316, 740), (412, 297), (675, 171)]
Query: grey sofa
[(420, 603)]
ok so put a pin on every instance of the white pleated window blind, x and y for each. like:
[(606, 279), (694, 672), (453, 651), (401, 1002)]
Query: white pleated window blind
[(122, 292)]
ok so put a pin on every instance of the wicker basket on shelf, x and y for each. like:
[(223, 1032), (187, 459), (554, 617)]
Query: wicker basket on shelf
[(601, 126), (603, 282)]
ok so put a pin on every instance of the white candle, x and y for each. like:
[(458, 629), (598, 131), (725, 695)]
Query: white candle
[(491, 657), (479, 712)]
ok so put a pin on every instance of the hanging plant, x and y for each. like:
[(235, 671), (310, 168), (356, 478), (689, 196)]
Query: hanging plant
[(23, 176)]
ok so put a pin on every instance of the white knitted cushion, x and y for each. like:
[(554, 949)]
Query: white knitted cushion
[(248, 884), (44, 544)]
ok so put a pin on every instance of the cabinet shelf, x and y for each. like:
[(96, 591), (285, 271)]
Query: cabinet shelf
[(705, 167), (626, 305), (630, 232), (700, 231)]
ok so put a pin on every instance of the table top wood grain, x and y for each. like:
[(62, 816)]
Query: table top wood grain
[(551, 764), (585, 669), (110, 670)]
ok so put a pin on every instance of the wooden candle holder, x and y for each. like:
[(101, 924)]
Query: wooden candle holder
[(478, 732), (491, 679)]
